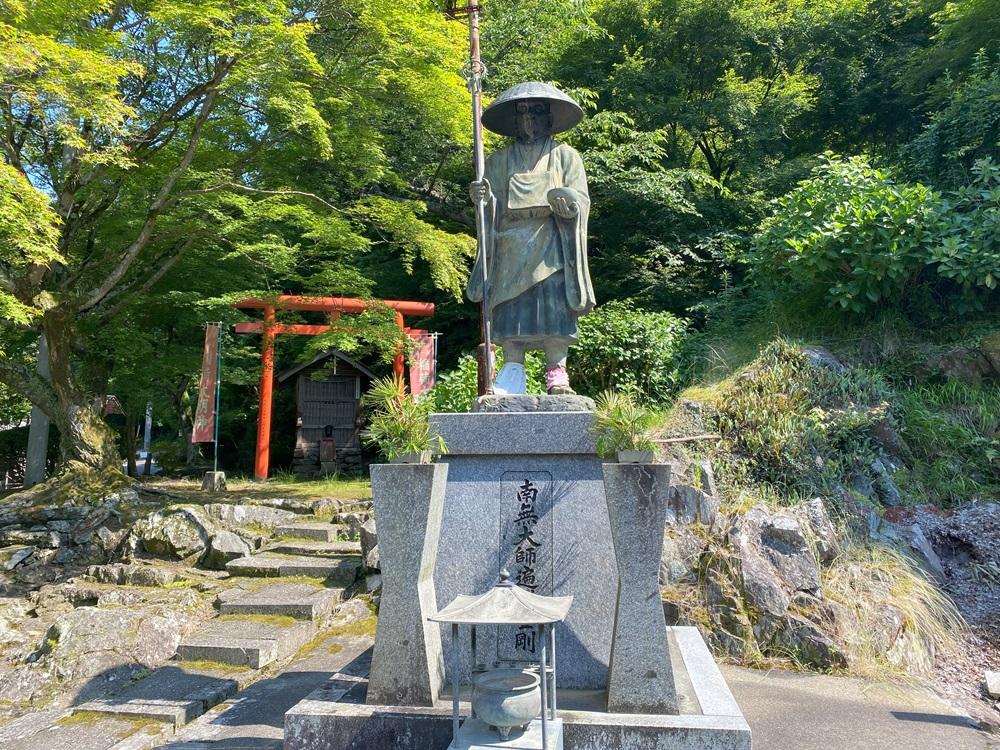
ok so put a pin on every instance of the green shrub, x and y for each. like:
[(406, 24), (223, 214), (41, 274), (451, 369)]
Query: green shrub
[(797, 425), (396, 423), (455, 390), (866, 240), (651, 354), (964, 130)]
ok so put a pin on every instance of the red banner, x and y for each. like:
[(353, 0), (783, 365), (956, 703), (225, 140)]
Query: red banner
[(204, 417), (423, 363)]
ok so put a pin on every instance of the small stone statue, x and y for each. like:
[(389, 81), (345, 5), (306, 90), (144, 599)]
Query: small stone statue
[(536, 209)]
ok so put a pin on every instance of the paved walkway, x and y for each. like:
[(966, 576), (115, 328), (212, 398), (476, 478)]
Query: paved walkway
[(794, 711), (254, 718)]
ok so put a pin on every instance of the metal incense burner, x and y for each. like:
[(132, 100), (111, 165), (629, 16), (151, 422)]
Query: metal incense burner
[(508, 698)]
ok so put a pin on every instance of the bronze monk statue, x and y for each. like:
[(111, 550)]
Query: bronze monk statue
[(536, 209)]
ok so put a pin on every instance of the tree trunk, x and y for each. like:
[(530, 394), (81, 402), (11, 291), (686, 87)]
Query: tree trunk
[(130, 444), (84, 437), (182, 408)]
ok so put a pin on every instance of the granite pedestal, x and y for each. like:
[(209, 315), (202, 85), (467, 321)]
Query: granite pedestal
[(526, 493), (407, 668), (709, 718), (639, 678)]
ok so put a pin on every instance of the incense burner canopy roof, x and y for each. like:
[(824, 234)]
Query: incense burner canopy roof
[(505, 604)]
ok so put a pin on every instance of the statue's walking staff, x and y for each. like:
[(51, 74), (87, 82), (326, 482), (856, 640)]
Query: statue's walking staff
[(474, 73)]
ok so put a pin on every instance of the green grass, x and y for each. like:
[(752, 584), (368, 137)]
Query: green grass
[(867, 578), (243, 489), (215, 667), (278, 621), (132, 725)]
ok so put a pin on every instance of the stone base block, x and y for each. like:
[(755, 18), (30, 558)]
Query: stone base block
[(710, 719), (214, 481), (321, 725), (476, 735)]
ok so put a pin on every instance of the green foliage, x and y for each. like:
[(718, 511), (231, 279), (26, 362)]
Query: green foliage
[(621, 423), (960, 32), (456, 389), (865, 240), (649, 353), (521, 41), (29, 234), (801, 425), (444, 253), (162, 154), (397, 424), (962, 132), (953, 432)]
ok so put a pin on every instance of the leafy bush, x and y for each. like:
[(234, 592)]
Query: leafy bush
[(649, 353), (867, 240), (799, 425), (396, 423), (962, 132), (455, 390)]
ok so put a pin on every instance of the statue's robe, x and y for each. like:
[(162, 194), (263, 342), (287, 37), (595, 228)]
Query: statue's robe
[(539, 282)]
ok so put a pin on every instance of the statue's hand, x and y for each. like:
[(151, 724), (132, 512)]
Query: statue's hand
[(563, 203), (480, 191)]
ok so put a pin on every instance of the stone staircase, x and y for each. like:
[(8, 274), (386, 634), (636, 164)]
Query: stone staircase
[(261, 626)]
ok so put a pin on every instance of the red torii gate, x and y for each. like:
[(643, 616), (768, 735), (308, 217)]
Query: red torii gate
[(269, 328)]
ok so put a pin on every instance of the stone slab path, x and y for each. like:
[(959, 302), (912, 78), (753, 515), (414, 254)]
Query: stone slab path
[(175, 704), (298, 547), (342, 570), (303, 601), (320, 532), (245, 642), (270, 633), (254, 719)]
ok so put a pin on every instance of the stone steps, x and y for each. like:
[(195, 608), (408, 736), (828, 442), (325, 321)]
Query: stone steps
[(245, 643), (341, 570), (302, 548), (320, 532), (171, 705), (302, 601), (174, 695)]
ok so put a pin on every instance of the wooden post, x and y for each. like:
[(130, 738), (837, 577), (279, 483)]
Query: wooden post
[(266, 388), (399, 360)]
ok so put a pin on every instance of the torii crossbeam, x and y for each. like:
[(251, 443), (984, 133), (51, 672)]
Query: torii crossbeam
[(269, 328)]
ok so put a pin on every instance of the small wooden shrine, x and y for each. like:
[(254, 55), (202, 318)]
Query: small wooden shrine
[(328, 392)]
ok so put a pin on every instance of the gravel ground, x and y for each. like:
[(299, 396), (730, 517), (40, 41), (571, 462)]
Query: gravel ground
[(968, 544)]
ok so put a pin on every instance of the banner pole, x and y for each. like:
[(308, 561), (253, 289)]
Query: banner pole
[(218, 391)]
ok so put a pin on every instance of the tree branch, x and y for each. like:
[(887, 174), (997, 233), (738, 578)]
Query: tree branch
[(150, 281), (160, 201), (246, 189), (32, 386)]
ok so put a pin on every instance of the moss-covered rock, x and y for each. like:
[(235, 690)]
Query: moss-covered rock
[(178, 532)]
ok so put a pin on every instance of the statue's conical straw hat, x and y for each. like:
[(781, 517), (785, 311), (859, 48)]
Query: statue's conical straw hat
[(499, 116)]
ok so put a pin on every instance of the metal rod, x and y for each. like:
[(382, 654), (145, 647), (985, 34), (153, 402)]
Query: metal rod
[(454, 684), (544, 667), (552, 660), (218, 391), (475, 664)]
